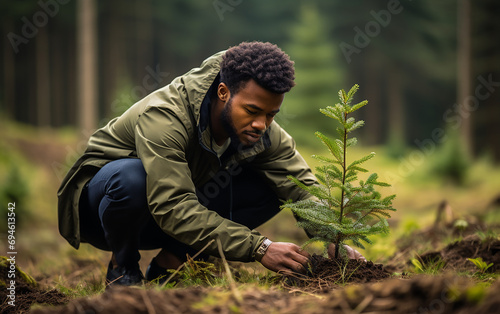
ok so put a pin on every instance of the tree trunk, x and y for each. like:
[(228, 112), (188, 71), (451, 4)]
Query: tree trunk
[(87, 83), (42, 78), (395, 103), (464, 70), (144, 37), (115, 65), (373, 112), (9, 75), (57, 77)]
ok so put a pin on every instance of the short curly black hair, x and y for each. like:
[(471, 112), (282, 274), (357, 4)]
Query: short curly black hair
[(265, 63)]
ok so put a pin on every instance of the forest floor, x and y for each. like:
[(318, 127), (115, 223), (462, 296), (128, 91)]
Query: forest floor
[(426, 265), (444, 282)]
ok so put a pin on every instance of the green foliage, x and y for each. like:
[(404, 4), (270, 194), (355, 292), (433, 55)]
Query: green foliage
[(13, 189), (480, 264), (94, 286), (21, 276), (487, 236), (460, 225), (450, 161), (317, 68), (345, 207), (431, 266), (477, 293)]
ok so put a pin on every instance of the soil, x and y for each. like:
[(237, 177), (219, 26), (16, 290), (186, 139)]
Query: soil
[(332, 286), (420, 241), (327, 274), (456, 255), (26, 294), (421, 294)]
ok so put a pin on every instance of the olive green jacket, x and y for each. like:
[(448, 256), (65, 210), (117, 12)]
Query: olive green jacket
[(164, 130)]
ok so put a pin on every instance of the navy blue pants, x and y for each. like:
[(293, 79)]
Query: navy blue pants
[(114, 214)]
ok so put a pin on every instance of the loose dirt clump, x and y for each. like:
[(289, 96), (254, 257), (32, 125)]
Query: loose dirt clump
[(27, 291), (455, 255), (326, 274)]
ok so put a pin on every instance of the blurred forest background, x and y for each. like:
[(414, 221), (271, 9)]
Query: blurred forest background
[(425, 66), (430, 70)]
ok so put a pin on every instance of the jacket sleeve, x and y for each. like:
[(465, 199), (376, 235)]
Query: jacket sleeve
[(161, 141), (279, 161)]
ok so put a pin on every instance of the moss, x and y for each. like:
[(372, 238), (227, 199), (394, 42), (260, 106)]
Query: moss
[(20, 275), (477, 293)]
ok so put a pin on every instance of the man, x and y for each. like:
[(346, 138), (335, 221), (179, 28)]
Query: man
[(197, 160)]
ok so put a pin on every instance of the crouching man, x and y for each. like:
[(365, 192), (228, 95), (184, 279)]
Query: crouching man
[(197, 160)]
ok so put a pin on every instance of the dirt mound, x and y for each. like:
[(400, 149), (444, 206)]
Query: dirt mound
[(456, 255), (26, 291), (327, 274), (422, 294)]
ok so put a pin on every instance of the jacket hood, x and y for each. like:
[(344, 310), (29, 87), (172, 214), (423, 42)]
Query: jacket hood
[(197, 82)]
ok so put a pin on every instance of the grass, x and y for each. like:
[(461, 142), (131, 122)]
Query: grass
[(431, 267), (86, 288)]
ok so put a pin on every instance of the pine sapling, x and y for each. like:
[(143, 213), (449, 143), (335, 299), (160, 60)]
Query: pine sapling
[(345, 207)]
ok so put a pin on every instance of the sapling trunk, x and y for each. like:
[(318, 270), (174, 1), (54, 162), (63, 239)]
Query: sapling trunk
[(337, 244)]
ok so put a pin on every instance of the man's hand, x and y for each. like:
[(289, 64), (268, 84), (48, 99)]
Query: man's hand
[(285, 257), (351, 253)]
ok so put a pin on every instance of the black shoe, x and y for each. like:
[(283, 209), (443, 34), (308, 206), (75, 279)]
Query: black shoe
[(123, 276), (156, 272)]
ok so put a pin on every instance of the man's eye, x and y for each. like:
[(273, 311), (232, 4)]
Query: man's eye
[(250, 111)]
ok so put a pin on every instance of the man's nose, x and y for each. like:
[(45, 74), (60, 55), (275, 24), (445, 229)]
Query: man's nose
[(259, 124)]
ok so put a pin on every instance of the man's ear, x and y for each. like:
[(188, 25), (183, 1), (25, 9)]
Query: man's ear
[(223, 92)]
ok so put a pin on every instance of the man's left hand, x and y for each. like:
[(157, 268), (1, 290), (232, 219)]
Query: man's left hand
[(351, 253)]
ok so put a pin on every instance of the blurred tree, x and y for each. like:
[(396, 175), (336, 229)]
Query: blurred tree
[(42, 72), (391, 50), (404, 60), (13, 42), (87, 63), (486, 65), (317, 77), (464, 69)]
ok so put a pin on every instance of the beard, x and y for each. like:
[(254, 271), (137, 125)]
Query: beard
[(228, 124)]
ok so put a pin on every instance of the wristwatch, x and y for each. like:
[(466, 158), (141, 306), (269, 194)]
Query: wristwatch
[(261, 250)]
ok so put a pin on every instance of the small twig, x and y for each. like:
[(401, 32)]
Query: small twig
[(306, 293), (345, 306), (183, 264), (109, 283), (147, 302), (237, 296), (364, 304)]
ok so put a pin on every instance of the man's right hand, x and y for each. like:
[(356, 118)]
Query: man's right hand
[(286, 258)]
